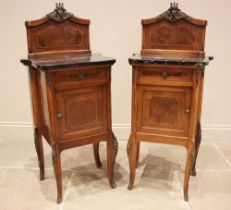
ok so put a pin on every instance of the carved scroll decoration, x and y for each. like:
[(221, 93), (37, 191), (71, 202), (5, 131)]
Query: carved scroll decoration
[(173, 14), (59, 14)]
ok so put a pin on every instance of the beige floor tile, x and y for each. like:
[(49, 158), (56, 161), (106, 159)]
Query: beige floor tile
[(210, 191), (172, 158), (211, 159), (157, 184), (91, 191), (122, 158), (21, 153), (225, 148), (163, 157), (82, 158), (22, 189)]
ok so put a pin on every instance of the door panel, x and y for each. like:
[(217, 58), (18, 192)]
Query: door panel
[(82, 112), (164, 110)]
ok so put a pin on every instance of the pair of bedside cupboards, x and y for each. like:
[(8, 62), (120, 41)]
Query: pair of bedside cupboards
[(71, 88)]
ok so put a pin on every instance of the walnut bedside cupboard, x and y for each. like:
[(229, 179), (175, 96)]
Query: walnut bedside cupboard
[(70, 90), (167, 84)]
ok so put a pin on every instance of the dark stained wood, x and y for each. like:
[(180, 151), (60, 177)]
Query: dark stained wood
[(49, 62), (167, 84), (150, 59), (70, 90)]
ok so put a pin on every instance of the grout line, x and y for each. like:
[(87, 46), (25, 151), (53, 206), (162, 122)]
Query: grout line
[(31, 168), (178, 181), (201, 170), (91, 170), (17, 139), (61, 205), (65, 194), (182, 190), (19, 167), (213, 170), (222, 154)]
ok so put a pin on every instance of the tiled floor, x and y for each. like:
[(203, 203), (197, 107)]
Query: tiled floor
[(158, 182)]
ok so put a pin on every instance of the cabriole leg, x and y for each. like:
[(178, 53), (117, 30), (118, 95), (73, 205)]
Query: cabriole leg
[(96, 155), (197, 146), (137, 154), (189, 162), (132, 150), (39, 150), (58, 173), (112, 149)]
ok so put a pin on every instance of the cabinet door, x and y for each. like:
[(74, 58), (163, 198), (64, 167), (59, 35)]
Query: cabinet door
[(81, 112), (164, 110)]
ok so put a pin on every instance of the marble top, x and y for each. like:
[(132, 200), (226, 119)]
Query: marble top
[(66, 60), (139, 59)]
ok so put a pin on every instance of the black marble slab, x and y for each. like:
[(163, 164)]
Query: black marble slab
[(138, 59), (66, 60)]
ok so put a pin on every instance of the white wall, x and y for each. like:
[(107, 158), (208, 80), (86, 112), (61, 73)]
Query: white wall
[(115, 31)]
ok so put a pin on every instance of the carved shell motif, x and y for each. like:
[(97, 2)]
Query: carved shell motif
[(173, 14), (59, 14)]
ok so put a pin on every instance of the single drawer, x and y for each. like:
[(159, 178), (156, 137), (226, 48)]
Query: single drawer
[(80, 75), (165, 73)]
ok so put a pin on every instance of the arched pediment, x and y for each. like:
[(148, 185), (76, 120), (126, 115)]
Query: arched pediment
[(173, 33), (174, 14), (58, 31)]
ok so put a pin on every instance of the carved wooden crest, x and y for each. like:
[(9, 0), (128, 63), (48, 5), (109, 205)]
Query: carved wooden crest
[(173, 14), (59, 14)]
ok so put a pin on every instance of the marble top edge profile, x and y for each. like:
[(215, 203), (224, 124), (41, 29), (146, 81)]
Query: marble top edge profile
[(67, 60), (149, 59)]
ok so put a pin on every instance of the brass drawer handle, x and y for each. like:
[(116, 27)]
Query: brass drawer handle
[(164, 74), (187, 111), (59, 115)]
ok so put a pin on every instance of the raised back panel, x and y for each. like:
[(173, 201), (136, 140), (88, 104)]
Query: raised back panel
[(57, 32), (173, 31)]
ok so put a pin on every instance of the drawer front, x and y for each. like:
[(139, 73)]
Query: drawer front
[(165, 73), (80, 75)]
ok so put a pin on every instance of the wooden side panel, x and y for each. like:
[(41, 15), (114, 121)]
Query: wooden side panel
[(164, 110), (36, 108), (81, 112), (44, 105)]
